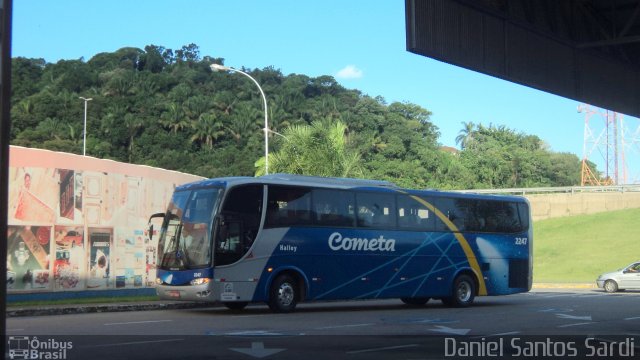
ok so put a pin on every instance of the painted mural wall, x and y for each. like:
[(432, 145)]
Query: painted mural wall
[(80, 223)]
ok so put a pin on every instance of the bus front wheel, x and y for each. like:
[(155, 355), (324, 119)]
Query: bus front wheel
[(463, 292), (284, 294)]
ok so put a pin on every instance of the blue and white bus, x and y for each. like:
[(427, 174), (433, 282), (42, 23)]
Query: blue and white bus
[(283, 239)]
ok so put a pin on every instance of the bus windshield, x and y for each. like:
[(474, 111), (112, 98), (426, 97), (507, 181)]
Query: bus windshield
[(185, 240)]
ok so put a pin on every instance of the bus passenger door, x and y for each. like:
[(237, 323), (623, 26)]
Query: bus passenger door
[(229, 247)]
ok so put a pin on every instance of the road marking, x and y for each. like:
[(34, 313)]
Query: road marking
[(343, 326), (383, 349), (253, 333), (572, 317), (448, 330), (257, 350), (633, 318), (134, 343), (250, 316), (576, 324), (500, 334), (137, 322), (556, 310), (434, 321), (556, 296)]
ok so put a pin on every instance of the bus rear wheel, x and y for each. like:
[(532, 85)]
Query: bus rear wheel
[(415, 301), (463, 292), (284, 294)]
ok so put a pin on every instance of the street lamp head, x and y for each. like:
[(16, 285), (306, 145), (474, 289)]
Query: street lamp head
[(85, 99), (218, 67)]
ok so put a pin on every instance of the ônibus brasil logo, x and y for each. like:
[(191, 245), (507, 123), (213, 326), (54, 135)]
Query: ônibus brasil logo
[(25, 347), (337, 242)]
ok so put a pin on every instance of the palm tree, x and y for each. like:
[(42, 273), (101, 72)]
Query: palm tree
[(174, 118), (278, 116), (465, 136), (51, 126), (245, 120), (133, 124), (224, 101), (26, 107), (196, 106), (319, 149), (207, 129), (146, 87)]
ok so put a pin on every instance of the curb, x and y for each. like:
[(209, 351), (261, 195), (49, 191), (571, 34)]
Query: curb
[(100, 308), (564, 286)]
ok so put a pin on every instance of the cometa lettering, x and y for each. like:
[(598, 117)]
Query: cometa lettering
[(337, 242)]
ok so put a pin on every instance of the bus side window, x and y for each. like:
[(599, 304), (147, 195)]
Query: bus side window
[(376, 210), (288, 206), (333, 207), (449, 208), (510, 218), (523, 212), (414, 214)]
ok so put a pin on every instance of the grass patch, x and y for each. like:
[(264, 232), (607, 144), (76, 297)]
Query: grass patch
[(85, 300), (579, 248)]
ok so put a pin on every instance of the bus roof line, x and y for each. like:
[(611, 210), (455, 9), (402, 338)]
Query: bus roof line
[(329, 180)]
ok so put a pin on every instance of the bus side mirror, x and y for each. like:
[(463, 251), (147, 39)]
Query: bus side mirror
[(154, 216)]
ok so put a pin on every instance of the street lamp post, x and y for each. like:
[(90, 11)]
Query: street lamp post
[(217, 67), (84, 132)]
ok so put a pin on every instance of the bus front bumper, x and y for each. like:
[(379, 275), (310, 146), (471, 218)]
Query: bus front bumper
[(203, 292)]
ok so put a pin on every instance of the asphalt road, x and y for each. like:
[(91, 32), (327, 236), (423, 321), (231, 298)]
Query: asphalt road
[(353, 330)]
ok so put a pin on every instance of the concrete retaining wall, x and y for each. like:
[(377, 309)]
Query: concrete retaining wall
[(546, 206)]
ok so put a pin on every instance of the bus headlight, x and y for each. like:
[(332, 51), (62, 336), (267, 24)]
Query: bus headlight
[(200, 281)]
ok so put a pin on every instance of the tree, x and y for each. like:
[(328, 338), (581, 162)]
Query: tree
[(243, 122), (25, 75), (189, 52), (134, 125), (465, 136), (318, 149), (152, 60), (174, 118), (207, 129)]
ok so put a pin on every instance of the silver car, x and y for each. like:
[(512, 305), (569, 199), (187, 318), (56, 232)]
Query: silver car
[(625, 278)]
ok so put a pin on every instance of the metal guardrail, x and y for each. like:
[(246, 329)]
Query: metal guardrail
[(557, 190)]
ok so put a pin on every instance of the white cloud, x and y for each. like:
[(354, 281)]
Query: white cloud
[(349, 72)]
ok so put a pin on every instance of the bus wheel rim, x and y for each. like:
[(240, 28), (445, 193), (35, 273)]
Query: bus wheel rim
[(464, 291), (286, 294)]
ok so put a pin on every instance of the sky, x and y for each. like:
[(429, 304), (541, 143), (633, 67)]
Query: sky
[(362, 43)]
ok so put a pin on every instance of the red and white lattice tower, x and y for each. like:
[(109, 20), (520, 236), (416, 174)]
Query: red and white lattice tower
[(607, 142), (600, 138), (631, 145)]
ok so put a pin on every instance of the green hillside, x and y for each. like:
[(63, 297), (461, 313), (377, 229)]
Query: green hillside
[(579, 248), (167, 108)]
